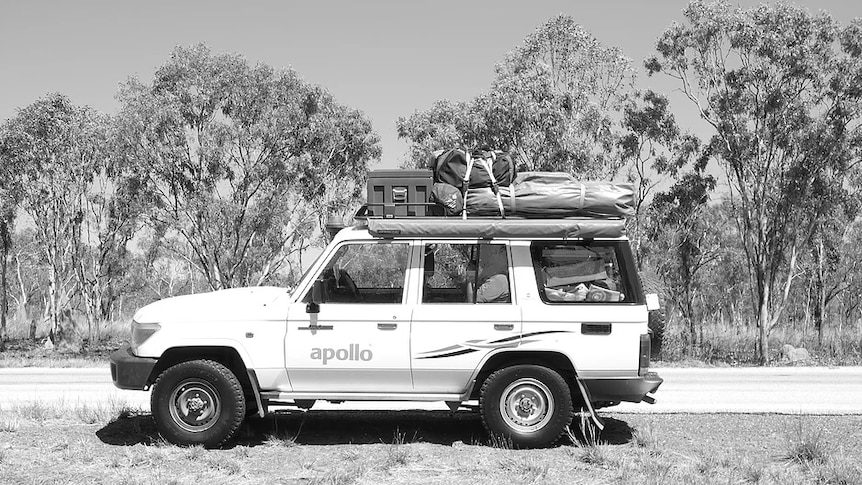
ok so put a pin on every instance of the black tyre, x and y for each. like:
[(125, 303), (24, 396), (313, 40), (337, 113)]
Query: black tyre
[(200, 402), (529, 405)]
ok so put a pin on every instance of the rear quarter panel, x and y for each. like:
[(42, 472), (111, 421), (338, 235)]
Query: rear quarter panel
[(558, 327)]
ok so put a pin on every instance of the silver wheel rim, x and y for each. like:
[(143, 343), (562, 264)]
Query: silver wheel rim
[(526, 405), (195, 405)]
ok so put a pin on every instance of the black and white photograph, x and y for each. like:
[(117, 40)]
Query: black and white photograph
[(398, 242)]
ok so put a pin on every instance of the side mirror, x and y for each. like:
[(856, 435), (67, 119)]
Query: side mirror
[(316, 297)]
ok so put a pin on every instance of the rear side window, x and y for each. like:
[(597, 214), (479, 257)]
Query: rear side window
[(580, 272)]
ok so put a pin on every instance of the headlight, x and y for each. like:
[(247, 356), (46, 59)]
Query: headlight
[(141, 332)]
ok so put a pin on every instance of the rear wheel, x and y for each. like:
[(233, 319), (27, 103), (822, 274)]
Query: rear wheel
[(200, 402), (527, 404)]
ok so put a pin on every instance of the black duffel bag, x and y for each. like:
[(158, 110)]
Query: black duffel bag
[(450, 167)]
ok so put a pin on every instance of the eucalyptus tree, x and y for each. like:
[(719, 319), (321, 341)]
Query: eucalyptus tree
[(10, 198), (780, 88), (57, 148), (555, 102), (242, 162)]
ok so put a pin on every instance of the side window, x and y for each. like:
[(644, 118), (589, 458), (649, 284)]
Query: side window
[(366, 273), (466, 273), (578, 273)]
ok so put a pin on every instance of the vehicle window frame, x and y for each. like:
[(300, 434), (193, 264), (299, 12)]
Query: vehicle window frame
[(478, 244), (335, 252), (625, 266)]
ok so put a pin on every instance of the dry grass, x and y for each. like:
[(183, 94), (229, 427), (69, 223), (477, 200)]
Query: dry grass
[(396, 453), (24, 353), (646, 438), (47, 445), (60, 410), (103, 330), (734, 345), (807, 447), (9, 424)]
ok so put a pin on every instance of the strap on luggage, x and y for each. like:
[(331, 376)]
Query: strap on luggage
[(583, 196), (466, 185), (488, 164)]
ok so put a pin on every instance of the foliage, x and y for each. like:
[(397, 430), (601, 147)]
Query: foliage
[(242, 162), (217, 173), (654, 151), (11, 191), (683, 234), (779, 86), (444, 125), (59, 147), (552, 102)]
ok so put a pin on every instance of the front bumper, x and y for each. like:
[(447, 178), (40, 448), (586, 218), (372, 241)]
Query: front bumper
[(629, 389), (129, 371)]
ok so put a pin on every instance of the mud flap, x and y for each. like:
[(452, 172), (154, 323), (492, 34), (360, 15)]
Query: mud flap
[(595, 417), (255, 389)]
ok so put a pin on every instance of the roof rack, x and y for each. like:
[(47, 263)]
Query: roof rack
[(491, 226)]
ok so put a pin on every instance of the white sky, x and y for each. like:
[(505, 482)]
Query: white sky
[(387, 58)]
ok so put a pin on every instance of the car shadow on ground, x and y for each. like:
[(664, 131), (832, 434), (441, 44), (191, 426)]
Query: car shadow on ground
[(349, 427)]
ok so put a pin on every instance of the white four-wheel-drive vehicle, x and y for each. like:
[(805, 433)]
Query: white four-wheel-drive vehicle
[(536, 319)]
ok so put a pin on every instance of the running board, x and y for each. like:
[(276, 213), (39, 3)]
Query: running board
[(360, 396)]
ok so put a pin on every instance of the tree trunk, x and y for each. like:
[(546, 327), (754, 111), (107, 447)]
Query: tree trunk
[(819, 310), (690, 320), (21, 313), (4, 302), (53, 303), (763, 326), (819, 293)]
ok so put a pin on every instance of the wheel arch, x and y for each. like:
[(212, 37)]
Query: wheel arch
[(554, 360), (228, 356)]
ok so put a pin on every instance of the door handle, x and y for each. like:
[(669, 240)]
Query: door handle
[(387, 326), (316, 327), (504, 326)]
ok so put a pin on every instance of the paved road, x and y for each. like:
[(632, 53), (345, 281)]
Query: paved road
[(791, 390), (794, 390)]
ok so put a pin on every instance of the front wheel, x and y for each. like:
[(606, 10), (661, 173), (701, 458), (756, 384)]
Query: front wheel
[(200, 402), (527, 404)]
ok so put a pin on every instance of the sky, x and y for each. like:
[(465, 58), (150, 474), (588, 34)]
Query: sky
[(387, 58)]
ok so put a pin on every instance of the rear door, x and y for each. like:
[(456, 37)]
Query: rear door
[(465, 311), (588, 307)]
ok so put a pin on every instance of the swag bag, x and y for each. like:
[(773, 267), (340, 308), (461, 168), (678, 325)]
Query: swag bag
[(450, 167), (553, 195)]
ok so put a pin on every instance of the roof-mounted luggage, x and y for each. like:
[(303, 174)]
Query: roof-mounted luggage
[(531, 195)]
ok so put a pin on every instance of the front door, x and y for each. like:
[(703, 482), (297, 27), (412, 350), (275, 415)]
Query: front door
[(360, 339)]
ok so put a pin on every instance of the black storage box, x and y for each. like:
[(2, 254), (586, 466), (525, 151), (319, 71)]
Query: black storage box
[(399, 193)]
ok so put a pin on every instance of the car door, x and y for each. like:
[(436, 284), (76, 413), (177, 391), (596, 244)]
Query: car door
[(359, 340), (465, 311), (588, 305)]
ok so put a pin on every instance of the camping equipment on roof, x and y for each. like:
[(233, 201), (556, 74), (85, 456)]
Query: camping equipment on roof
[(553, 195), (482, 168), (447, 197), (585, 228), (399, 193)]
